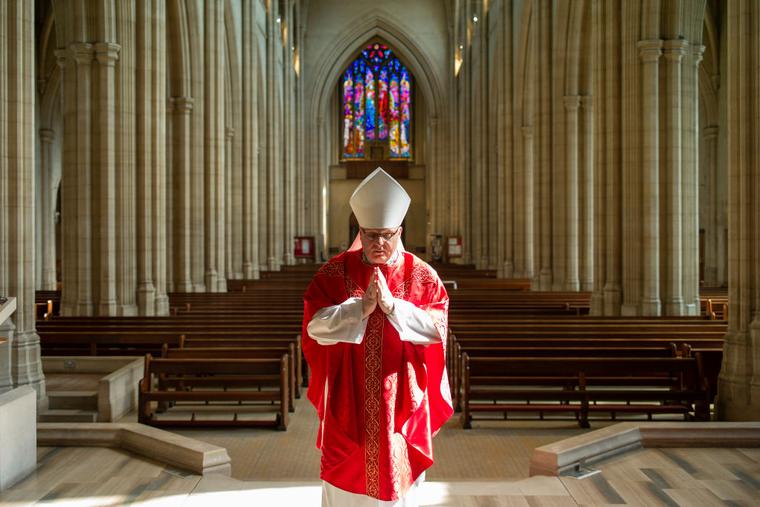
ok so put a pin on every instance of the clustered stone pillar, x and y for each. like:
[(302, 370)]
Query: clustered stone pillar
[(572, 283), (586, 194), (508, 190), (739, 381), (673, 302), (183, 199), (250, 152), (76, 191), (126, 156), (151, 159), (690, 164), (230, 189), (274, 178), (289, 141), (20, 355), (713, 228), (524, 264), (649, 53), (47, 212), (106, 54), (543, 159), (214, 147)]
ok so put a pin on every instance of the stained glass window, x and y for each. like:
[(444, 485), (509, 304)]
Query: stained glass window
[(376, 104)]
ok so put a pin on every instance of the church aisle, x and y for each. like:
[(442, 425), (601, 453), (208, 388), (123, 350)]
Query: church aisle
[(84, 477), (486, 466)]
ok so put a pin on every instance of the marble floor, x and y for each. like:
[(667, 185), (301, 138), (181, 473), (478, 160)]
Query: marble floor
[(486, 466), (647, 477)]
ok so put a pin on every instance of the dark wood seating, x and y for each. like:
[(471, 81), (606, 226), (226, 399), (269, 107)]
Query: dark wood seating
[(192, 384), (582, 385), (572, 351), (248, 352)]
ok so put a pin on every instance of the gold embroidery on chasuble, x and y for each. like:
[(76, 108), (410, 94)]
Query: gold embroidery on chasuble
[(401, 471), (332, 270), (373, 362)]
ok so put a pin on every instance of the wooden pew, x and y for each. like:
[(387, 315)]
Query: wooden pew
[(589, 349), (247, 352), (581, 386), (184, 382)]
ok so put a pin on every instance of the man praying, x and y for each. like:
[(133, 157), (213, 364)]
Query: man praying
[(374, 329)]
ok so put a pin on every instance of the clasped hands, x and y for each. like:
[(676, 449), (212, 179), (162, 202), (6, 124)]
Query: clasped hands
[(377, 293)]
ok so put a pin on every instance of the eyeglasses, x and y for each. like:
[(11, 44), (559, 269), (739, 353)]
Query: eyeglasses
[(374, 236)]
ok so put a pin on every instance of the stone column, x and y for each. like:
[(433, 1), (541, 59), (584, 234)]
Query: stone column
[(690, 171), (18, 192), (68, 179), (599, 38), (106, 54), (183, 199), (506, 138), (214, 147), (273, 188), (126, 197), (572, 103), (527, 192), (146, 134), (288, 138), (79, 198), (544, 173), (673, 303), (160, 94), (712, 225), (739, 381), (6, 328), (47, 211), (649, 53), (609, 164), (250, 159), (586, 195), (480, 140), (229, 189)]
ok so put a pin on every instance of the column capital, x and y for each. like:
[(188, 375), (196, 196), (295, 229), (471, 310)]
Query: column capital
[(649, 50), (572, 102), (696, 52), (47, 135), (81, 52), (230, 132), (587, 102), (182, 105), (61, 57), (527, 131), (107, 52), (710, 132), (674, 49)]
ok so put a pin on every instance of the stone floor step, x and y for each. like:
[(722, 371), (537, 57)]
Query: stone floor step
[(73, 400), (67, 415)]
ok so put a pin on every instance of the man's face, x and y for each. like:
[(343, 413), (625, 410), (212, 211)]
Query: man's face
[(379, 244)]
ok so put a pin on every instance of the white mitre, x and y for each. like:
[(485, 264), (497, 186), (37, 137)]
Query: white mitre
[(379, 202)]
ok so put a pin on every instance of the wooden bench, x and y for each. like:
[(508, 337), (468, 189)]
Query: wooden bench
[(580, 386), (194, 383), (572, 351), (249, 352)]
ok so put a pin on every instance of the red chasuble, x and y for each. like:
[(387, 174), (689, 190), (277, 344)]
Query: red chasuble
[(387, 397)]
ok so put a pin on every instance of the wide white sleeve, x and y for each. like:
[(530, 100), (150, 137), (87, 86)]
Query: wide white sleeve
[(413, 324), (339, 323)]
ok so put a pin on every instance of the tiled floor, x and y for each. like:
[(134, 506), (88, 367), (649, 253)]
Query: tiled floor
[(669, 477), (482, 467)]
